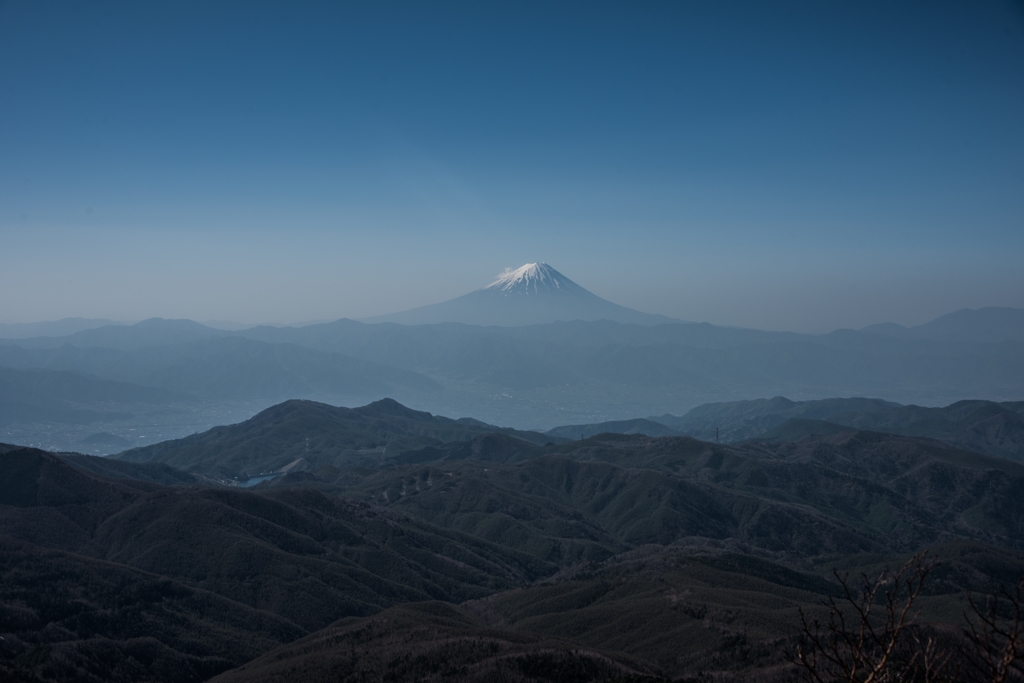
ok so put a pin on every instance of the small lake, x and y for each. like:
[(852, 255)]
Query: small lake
[(255, 480)]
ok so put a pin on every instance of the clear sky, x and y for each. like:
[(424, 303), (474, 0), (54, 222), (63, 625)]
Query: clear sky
[(801, 166)]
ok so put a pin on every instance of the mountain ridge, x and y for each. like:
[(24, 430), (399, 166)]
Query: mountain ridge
[(316, 434), (982, 426), (614, 546)]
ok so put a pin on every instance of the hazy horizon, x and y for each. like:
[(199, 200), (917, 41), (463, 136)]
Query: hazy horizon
[(243, 324), (798, 166)]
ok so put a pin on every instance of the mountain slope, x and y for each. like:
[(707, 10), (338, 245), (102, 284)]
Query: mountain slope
[(51, 328), (67, 617), (985, 325), (635, 426), (433, 642), (679, 553), (299, 554), (70, 397), (315, 434), (151, 332), (825, 493), (226, 367), (532, 294), (982, 426)]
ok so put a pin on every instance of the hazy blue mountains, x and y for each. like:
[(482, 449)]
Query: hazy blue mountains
[(544, 375), (151, 332), (52, 328), (70, 397), (986, 325), (216, 366), (634, 426)]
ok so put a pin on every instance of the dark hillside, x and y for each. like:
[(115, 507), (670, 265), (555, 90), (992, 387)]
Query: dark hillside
[(797, 428), (315, 434), (153, 472), (297, 553), (637, 426), (48, 502), (616, 555), (432, 642), (65, 617), (305, 556), (838, 492), (693, 614), (557, 507), (714, 612), (907, 490), (982, 426)]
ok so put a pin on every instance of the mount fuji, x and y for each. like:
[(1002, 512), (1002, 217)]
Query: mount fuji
[(533, 294)]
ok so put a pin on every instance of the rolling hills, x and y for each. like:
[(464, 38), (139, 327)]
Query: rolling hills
[(982, 426), (309, 434), (500, 553), (840, 491)]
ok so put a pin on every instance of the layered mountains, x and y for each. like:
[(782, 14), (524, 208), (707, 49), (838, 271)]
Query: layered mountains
[(966, 325), (388, 455), (300, 540), (532, 350), (981, 426), (396, 545), (539, 376)]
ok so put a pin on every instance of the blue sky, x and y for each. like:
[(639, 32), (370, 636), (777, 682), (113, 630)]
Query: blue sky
[(800, 166)]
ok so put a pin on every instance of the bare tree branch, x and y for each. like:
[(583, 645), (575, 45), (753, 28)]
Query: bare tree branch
[(865, 649)]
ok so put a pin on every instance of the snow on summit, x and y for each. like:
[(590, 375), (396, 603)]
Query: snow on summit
[(533, 294), (532, 278)]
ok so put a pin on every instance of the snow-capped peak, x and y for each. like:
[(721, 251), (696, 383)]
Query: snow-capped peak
[(531, 278)]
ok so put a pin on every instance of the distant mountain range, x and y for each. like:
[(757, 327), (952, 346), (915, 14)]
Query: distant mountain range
[(985, 325), (532, 294), (43, 396), (539, 376), (52, 328), (634, 426)]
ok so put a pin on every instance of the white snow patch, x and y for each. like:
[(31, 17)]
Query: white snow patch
[(531, 277)]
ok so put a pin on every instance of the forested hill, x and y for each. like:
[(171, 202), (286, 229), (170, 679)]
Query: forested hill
[(307, 434), (982, 426), (402, 546)]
